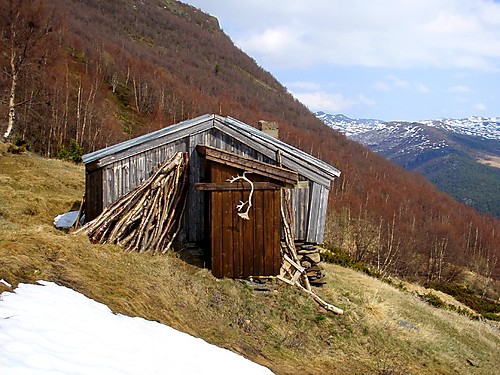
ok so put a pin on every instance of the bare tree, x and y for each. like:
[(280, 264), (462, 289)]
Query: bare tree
[(27, 25)]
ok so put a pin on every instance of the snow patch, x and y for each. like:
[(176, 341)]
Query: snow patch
[(67, 220), (50, 329)]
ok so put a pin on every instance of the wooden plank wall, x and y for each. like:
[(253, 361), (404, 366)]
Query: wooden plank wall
[(299, 206), (242, 248), (317, 213), (123, 175), (301, 196), (195, 215), (225, 142)]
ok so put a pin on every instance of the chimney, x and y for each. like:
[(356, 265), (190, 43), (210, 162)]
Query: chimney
[(269, 127)]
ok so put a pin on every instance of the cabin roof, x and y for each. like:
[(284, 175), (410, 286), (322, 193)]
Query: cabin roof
[(292, 158)]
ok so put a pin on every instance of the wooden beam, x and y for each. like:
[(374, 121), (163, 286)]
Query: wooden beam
[(250, 165), (227, 186)]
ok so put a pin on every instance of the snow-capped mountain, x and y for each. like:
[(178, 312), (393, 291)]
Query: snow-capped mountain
[(408, 144), (347, 125), (481, 127), (461, 156)]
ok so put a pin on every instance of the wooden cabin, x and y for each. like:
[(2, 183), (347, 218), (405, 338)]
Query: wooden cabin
[(219, 149)]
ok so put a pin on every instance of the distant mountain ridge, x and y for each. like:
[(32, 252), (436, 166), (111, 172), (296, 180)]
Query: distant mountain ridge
[(482, 127), (460, 156)]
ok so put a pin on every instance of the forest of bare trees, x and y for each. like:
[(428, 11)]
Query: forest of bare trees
[(98, 72)]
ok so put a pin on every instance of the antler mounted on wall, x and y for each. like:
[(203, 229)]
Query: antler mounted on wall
[(244, 215)]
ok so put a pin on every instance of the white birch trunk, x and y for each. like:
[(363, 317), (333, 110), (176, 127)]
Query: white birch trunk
[(12, 106)]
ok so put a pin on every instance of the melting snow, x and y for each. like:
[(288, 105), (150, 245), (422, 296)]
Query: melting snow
[(67, 220), (50, 329)]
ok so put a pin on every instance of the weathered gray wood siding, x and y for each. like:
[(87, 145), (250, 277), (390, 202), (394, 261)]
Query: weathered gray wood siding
[(195, 214), (114, 172), (308, 205), (299, 206), (93, 193), (318, 203), (124, 175), (226, 142)]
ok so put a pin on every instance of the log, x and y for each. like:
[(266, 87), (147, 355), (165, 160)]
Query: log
[(148, 218), (322, 303)]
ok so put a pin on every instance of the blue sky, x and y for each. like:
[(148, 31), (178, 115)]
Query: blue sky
[(385, 59)]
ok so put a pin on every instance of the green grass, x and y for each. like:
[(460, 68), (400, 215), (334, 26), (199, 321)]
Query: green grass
[(385, 329)]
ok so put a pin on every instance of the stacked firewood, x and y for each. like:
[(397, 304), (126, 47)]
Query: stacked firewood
[(147, 219), (310, 259)]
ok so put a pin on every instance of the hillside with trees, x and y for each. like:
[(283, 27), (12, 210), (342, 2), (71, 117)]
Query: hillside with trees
[(85, 74)]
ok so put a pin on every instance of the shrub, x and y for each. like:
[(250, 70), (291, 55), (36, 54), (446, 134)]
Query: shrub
[(484, 306), (338, 256), (491, 316), (433, 300), (74, 153), (19, 147)]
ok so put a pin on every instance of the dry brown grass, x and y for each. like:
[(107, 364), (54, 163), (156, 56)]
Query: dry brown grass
[(384, 330), (413, 332)]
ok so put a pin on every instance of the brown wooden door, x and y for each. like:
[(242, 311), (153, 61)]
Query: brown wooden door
[(239, 247)]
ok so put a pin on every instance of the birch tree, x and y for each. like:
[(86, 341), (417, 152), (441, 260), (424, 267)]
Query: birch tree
[(27, 25)]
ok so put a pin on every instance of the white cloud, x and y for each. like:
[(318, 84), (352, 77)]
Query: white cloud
[(324, 101), (382, 86), (385, 33), (480, 106), (392, 83), (332, 102), (350, 47), (421, 88), (270, 40), (462, 99), (397, 82), (459, 89)]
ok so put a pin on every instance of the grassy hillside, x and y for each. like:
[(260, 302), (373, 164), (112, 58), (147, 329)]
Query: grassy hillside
[(385, 330)]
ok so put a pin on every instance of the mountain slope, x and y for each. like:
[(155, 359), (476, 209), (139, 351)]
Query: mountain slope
[(453, 154), (109, 71)]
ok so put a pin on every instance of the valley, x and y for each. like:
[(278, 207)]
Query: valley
[(460, 156)]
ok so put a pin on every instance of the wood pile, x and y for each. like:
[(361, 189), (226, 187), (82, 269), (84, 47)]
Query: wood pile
[(147, 219), (309, 257)]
